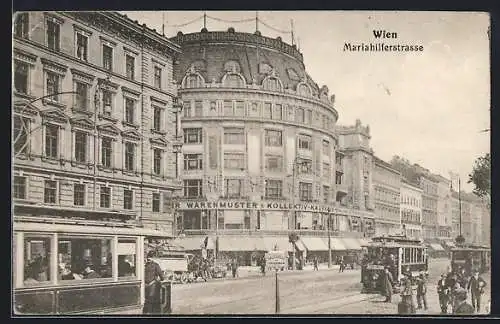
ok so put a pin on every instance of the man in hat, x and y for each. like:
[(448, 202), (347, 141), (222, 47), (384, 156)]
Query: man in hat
[(442, 291), (476, 287), (388, 283), (152, 277), (462, 307), (421, 291)]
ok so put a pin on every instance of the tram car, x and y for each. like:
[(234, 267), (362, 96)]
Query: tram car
[(470, 257), (65, 266), (403, 256)]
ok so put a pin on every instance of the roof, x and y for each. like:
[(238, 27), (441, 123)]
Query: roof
[(386, 165)]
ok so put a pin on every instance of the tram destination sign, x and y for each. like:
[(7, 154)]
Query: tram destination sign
[(248, 205)]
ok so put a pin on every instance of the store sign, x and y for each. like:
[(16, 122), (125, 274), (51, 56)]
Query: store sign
[(306, 207)]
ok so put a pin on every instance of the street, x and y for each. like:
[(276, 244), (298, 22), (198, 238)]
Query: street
[(301, 292)]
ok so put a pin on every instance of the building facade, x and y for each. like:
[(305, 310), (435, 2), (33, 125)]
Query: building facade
[(356, 191), (444, 209), (387, 192), (429, 185), (93, 119), (260, 149), (411, 209)]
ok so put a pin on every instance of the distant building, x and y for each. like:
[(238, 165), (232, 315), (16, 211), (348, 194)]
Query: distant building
[(429, 186), (357, 189), (411, 209), (387, 191), (444, 209)]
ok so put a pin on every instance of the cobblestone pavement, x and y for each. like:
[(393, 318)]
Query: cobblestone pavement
[(301, 292)]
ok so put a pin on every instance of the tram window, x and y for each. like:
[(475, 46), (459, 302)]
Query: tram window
[(407, 255), (36, 260), (84, 258), (127, 257), (420, 255)]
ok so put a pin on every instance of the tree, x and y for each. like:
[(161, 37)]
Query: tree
[(481, 177)]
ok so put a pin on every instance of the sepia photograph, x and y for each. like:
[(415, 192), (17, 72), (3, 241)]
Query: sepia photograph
[(182, 163)]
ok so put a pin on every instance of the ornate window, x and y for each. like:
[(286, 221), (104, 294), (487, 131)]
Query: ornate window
[(303, 89), (193, 79), (272, 82)]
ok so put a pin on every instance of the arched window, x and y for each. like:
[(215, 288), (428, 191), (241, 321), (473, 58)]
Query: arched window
[(272, 83), (304, 90), (233, 80), (193, 80)]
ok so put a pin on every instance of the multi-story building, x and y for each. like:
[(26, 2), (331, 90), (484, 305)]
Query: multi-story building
[(94, 121), (411, 209), (455, 214), (429, 186), (356, 191), (260, 149), (387, 191), (444, 210)]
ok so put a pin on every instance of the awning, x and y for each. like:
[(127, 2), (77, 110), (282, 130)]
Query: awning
[(436, 247), (239, 244), (281, 243), (195, 243), (363, 242), (314, 244), (335, 243), (351, 243), (300, 246)]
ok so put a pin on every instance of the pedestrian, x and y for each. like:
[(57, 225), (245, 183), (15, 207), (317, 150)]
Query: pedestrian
[(453, 292), (406, 306), (442, 291), (234, 267), (152, 277), (388, 282), (315, 261), (421, 292), (462, 307), (341, 264), (476, 287)]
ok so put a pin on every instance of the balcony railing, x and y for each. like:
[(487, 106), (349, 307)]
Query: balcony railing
[(259, 232)]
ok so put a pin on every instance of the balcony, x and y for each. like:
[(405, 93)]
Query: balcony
[(263, 232)]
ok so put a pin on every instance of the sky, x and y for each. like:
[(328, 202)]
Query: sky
[(429, 107)]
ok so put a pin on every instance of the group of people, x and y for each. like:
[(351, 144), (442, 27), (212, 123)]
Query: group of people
[(453, 289)]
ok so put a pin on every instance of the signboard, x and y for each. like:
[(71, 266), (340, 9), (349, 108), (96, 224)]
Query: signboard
[(375, 267), (306, 207), (276, 260)]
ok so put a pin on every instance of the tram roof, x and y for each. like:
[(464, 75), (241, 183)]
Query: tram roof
[(393, 245), (470, 248), (36, 227), (398, 239)]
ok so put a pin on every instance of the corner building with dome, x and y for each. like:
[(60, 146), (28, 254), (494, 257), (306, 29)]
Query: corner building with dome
[(260, 154)]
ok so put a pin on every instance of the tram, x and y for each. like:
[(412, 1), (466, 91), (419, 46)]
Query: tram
[(400, 254), (470, 257), (63, 266)]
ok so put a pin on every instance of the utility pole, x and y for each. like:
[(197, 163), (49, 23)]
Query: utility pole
[(329, 241), (459, 209)]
